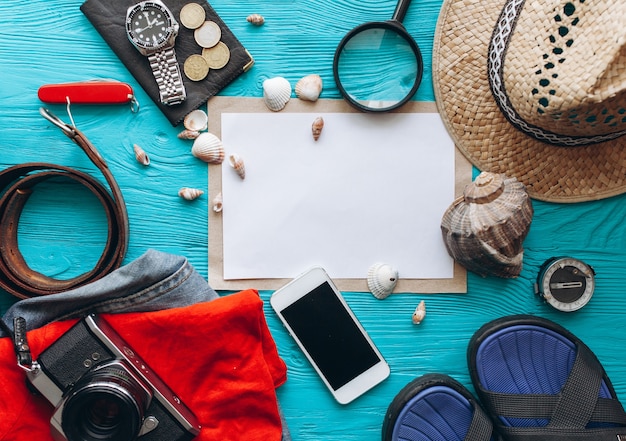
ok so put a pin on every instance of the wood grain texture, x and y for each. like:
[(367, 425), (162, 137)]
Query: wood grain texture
[(50, 41)]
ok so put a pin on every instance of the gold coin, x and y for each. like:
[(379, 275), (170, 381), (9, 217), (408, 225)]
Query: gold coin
[(208, 34), (196, 67), (192, 15), (217, 56)]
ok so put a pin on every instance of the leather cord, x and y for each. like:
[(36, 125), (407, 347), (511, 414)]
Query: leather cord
[(17, 183)]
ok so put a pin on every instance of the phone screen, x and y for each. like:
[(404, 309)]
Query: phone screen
[(332, 338)]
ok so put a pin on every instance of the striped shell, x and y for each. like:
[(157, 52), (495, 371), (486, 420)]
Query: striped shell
[(236, 162), (381, 280), (276, 93), (255, 19), (309, 88), (419, 314), (140, 155), (485, 229), (189, 193), (316, 127), (208, 148)]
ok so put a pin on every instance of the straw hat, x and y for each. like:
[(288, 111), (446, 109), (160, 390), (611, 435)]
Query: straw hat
[(536, 89)]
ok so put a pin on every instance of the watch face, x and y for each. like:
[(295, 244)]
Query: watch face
[(149, 25), (567, 284)]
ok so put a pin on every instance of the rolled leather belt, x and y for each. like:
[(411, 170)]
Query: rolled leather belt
[(17, 183)]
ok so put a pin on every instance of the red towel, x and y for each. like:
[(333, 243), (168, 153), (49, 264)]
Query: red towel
[(218, 357)]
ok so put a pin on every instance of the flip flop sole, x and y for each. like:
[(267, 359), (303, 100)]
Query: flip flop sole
[(526, 355), (434, 407)]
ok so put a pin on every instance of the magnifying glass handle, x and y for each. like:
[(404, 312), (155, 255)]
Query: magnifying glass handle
[(400, 12)]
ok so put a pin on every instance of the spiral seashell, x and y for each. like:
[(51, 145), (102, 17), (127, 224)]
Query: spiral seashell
[(485, 229), (196, 120), (309, 87), (189, 193), (188, 134), (218, 203), (141, 156), (276, 93), (419, 313), (208, 148), (316, 127), (381, 280), (255, 19), (237, 164)]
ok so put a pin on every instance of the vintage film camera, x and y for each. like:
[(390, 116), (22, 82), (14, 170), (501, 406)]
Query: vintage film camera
[(101, 389)]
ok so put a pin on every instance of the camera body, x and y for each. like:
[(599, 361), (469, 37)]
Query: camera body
[(101, 389)]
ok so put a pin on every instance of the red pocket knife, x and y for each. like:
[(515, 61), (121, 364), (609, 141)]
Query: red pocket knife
[(89, 92)]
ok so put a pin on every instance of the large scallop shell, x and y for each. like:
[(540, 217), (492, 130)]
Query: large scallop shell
[(485, 229), (381, 280), (209, 148), (276, 93), (309, 88)]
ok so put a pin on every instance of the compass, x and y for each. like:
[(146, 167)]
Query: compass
[(565, 283)]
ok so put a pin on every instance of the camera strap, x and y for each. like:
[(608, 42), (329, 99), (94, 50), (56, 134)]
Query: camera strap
[(17, 183)]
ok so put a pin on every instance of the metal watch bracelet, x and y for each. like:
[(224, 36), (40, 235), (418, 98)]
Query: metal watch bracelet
[(168, 77)]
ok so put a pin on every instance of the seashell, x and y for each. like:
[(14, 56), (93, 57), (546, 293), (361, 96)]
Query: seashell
[(309, 88), (276, 93), (141, 156), (484, 230), (381, 280), (208, 148), (218, 203), (237, 164), (255, 19), (190, 193), (316, 127), (196, 120), (419, 313), (188, 134)]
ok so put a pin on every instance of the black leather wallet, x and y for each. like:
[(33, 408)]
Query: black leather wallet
[(108, 18)]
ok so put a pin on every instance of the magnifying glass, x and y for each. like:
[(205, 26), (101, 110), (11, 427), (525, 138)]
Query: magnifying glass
[(378, 65)]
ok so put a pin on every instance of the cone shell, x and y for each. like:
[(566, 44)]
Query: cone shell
[(485, 229), (188, 134), (419, 313), (255, 19), (309, 88), (381, 280), (237, 164), (316, 127), (218, 203), (208, 148), (196, 120), (140, 155), (190, 193), (276, 93)]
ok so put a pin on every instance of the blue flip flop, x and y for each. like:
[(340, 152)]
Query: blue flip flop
[(539, 382), (435, 407)]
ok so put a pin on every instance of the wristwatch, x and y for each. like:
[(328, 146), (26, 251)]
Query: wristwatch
[(152, 29)]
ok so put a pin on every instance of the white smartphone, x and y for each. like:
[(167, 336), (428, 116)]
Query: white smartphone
[(321, 322)]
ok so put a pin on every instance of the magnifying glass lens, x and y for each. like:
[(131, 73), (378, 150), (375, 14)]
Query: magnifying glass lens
[(378, 68)]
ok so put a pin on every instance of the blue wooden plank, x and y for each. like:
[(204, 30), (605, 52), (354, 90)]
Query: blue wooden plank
[(51, 41)]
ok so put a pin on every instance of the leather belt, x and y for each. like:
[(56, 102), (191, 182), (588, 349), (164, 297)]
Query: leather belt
[(17, 183)]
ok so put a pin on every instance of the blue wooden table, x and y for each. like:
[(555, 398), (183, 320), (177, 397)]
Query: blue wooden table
[(50, 41)]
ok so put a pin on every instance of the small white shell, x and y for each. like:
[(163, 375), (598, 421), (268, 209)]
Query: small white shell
[(208, 148), (218, 203), (237, 164), (188, 134), (419, 313), (309, 88), (255, 19), (316, 127), (141, 156), (276, 93), (381, 280), (190, 193), (196, 120)]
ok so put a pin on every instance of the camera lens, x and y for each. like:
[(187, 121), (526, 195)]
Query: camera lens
[(106, 404)]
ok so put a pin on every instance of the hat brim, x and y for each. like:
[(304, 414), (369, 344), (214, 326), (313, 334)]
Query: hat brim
[(484, 135)]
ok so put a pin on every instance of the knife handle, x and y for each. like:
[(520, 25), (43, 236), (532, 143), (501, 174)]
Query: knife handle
[(87, 92)]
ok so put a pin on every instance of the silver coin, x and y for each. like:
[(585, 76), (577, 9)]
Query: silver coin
[(208, 35)]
